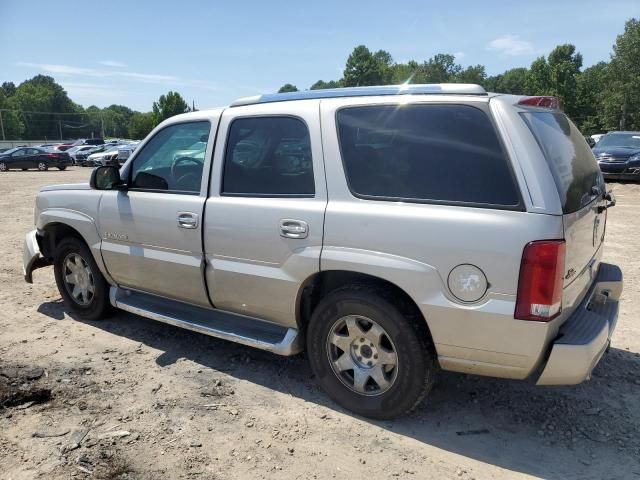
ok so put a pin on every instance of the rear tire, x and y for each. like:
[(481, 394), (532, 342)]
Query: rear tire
[(62, 168), (398, 369), (84, 290), (42, 167)]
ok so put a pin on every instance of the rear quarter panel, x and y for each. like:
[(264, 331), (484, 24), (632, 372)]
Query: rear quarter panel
[(415, 246)]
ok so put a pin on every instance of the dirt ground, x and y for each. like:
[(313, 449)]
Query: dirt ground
[(130, 398)]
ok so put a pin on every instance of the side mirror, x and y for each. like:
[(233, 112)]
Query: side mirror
[(106, 178)]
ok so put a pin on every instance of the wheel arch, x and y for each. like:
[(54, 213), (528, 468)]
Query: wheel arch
[(55, 225), (319, 285)]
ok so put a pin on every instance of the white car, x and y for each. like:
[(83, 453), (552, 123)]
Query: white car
[(102, 158), (82, 150)]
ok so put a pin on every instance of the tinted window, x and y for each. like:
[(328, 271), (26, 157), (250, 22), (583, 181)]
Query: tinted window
[(268, 156), (572, 164), (435, 153), (167, 161)]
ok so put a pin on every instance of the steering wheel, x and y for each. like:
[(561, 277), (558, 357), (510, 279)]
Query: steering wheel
[(182, 161)]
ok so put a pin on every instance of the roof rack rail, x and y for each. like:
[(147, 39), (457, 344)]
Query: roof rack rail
[(404, 89)]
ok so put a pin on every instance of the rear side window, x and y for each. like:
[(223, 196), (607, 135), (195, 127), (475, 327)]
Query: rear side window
[(572, 164), (425, 153), (268, 156)]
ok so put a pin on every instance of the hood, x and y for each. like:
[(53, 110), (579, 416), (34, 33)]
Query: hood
[(614, 151), (66, 186)]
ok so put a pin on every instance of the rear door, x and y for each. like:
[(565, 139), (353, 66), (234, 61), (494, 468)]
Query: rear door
[(581, 187), (265, 212)]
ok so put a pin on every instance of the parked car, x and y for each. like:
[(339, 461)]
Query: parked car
[(597, 136), (25, 158), (88, 141), (79, 153), (125, 151), (389, 231), (106, 156), (618, 155)]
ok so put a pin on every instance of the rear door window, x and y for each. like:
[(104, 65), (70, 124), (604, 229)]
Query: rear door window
[(572, 164), (425, 153), (268, 156)]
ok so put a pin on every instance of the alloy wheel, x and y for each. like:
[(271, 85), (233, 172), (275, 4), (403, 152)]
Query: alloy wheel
[(78, 279), (3, 167), (362, 355), (42, 166)]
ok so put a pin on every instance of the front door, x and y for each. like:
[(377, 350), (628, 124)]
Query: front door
[(265, 213), (152, 233), (20, 159)]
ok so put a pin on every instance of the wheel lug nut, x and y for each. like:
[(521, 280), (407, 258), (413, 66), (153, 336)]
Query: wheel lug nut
[(359, 358), (362, 339), (375, 356), (369, 363), (371, 344)]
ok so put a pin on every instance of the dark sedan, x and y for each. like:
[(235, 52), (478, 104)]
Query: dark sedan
[(618, 155), (24, 158)]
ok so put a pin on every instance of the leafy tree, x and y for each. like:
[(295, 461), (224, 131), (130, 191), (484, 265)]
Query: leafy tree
[(472, 74), (43, 94), (512, 81), (622, 102), (141, 124), (592, 88), (440, 68), (287, 87), (8, 89), (538, 80), (321, 84), (12, 121), (169, 105), (366, 68)]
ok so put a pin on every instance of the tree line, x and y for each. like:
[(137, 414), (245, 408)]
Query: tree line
[(603, 97), (39, 109)]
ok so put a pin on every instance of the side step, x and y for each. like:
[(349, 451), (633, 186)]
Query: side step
[(216, 323)]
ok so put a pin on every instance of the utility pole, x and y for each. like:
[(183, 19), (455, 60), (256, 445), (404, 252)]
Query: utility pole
[(624, 112), (60, 128), (102, 125), (2, 125)]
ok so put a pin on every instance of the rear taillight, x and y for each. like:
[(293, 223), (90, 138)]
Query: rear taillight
[(540, 283), (53, 155), (544, 101)]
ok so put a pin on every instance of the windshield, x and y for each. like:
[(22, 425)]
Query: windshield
[(623, 140), (572, 164)]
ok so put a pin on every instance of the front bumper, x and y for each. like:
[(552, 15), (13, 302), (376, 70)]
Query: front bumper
[(31, 256), (584, 337)]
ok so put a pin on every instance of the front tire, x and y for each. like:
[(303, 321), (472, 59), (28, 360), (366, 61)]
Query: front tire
[(42, 167), (368, 355), (84, 290), (3, 167)]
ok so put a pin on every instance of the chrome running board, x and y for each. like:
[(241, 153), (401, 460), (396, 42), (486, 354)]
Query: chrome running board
[(216, 323)]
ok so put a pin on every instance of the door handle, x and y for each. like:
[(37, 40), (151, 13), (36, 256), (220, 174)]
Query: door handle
[(293, 228), (187, 220)]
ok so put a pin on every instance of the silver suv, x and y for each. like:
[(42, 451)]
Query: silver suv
[(388, 231)]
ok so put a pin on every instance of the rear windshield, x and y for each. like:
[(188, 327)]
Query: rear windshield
[(425, 153), (573, 166)]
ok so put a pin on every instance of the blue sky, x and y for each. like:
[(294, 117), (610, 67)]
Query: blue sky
[(130, 52)]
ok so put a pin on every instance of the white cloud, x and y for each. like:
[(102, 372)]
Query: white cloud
[(511, 45), (112, 63), (458, 55), (68, 70)]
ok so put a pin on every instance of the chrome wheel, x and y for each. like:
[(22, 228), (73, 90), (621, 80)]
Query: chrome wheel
[(78, 279), (42, 166), (362, 355), (3, 167)]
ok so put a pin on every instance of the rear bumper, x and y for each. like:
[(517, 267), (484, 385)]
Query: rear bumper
[(584, 337)]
